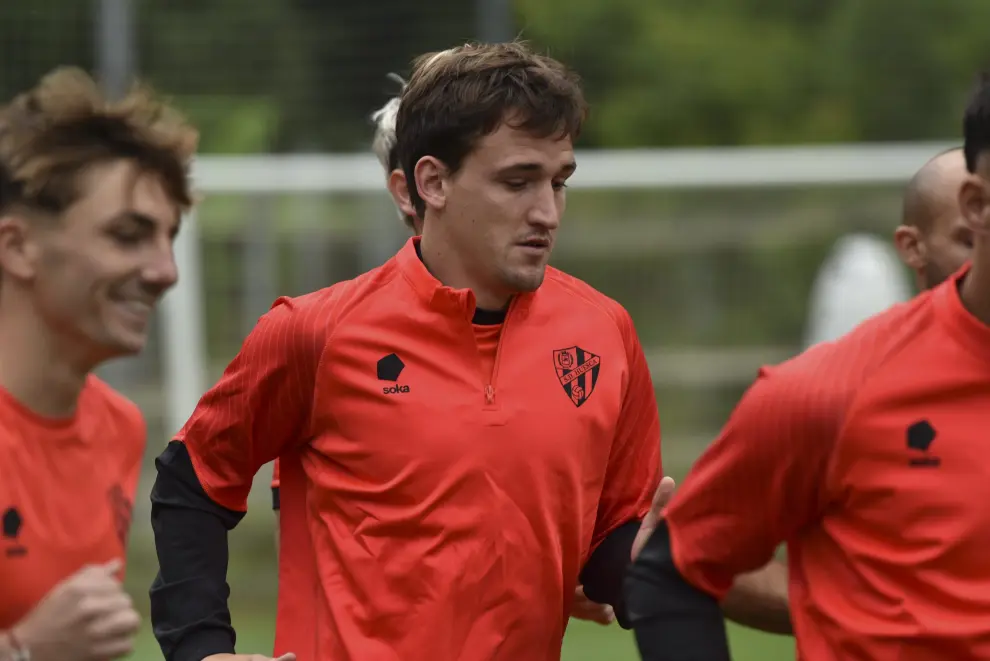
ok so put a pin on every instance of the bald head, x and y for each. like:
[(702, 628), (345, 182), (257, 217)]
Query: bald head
[(934, 239), (932, 194)]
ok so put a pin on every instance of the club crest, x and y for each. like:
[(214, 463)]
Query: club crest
[(577, 371)]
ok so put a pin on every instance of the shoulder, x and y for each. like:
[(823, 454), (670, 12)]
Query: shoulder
[(117, 416), (874, 343), (318, 312), (577, 296), (99, 393), (306, 322), (834, 373)]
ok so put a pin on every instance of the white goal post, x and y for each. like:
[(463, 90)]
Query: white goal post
[(183, 326)]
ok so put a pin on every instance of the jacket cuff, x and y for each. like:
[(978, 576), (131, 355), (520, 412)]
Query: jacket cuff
[(201, 644)]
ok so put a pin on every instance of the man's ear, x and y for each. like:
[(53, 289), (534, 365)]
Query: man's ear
[(974, 202), (907, 240), (400, 192), (18, 252), (429, 174)]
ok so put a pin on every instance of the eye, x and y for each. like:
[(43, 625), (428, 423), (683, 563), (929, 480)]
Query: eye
[(516, 184), (559, 185), (130, 234), (126, 237)]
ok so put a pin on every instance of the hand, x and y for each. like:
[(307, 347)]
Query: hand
[(660, 499), (86, 617), (249, 657), (586, 609)]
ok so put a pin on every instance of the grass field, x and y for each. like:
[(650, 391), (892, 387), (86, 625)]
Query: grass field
[(253, 613), (584, 642)]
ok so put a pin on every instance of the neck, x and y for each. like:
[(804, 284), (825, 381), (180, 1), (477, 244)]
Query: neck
[(35, 367), (447, 266), (975, 291)]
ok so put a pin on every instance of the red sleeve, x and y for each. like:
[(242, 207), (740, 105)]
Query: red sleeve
[(128, 435), (634, 469), (132, 434), (260, 406), (275, 477), (129, 480), (760, 483), (135, 457)]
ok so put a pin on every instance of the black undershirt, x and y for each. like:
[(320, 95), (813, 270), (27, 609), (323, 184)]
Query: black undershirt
[(672, 620), (189, 612)]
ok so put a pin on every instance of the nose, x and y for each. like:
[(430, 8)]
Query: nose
[(547, 208), (161, 272)]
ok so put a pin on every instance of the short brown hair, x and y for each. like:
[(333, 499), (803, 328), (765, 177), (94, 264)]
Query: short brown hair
[(458, 96), (49, 135)]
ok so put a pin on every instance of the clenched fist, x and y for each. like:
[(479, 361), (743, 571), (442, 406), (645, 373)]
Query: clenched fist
[(86, 617)]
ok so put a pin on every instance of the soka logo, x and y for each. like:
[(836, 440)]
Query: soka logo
[(389, 369), (12, 526), (577, 371)]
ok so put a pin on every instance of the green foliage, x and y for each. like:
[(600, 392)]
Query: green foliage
[(274, 75), (678, 72), (728, 72), (232, 124)]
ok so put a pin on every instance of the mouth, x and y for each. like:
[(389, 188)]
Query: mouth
[(137, 311), (536, 245)]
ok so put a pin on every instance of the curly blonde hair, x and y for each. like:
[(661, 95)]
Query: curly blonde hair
[(51, 134)]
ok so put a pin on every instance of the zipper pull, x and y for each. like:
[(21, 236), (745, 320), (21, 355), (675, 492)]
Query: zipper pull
[(490, 394)]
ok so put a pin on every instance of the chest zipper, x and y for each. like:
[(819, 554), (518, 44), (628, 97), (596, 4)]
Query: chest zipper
[(490, 387)]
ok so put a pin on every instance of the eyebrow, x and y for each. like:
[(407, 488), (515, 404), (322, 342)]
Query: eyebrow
[(526, 168), (145, 221)]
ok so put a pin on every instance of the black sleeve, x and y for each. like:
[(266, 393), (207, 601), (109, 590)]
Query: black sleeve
[(276, 499), (603, 574), (189, 613), (672, 620)]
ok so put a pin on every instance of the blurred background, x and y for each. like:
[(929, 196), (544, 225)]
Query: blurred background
[(739, 155)]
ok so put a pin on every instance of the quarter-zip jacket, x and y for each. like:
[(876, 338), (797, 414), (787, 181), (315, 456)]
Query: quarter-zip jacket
[(434, 504)]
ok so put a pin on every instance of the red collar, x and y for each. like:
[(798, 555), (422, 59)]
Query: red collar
[(434, 293), (964, 327)]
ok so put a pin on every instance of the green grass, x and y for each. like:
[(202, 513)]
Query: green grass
[(592, 642), (584, 641)]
